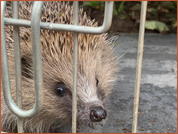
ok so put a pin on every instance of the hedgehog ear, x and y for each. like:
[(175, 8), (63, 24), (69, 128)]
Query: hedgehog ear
[(26, 64)]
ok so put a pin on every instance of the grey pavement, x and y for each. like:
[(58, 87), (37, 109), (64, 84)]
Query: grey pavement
[(158, 91)]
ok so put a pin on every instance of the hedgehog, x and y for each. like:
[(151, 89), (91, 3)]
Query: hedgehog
[(96, 73)]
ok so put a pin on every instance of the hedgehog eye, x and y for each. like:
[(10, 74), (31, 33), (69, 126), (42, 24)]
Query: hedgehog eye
[(60, 90), (97, 81)]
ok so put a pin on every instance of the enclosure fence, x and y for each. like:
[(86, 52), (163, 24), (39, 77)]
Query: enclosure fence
[(36, 25)]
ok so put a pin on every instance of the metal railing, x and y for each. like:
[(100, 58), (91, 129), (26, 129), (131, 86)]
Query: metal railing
[(36, 25)]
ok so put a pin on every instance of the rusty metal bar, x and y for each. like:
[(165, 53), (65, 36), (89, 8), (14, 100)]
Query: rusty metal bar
[(75, 61), (18, 74), (139, 65)]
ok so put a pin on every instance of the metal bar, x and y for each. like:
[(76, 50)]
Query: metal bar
[(70, 28), (139, 65), (18, 73), (36, 50), (75, 58), (5, 71)]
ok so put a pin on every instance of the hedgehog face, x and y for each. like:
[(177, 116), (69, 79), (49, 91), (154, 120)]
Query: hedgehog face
[(95, 76), (58, 83)]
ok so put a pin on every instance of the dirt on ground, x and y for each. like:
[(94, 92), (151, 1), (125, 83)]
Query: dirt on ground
[(127, 20)]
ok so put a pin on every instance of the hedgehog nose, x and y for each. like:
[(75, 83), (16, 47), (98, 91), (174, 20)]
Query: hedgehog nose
[(97, 114)]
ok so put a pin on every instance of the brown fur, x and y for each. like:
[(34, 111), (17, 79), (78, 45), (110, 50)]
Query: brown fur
[(95, 61)]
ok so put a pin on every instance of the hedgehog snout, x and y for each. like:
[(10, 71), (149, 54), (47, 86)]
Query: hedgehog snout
[(97, 114)]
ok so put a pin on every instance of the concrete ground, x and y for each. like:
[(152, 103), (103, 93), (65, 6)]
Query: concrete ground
[(158, 91)]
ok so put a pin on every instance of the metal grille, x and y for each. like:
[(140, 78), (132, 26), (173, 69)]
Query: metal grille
[(36, 25)]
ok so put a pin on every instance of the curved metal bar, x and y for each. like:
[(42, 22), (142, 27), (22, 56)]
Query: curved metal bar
[(71, 28), (5, 72), (36, 49), (108, 13)]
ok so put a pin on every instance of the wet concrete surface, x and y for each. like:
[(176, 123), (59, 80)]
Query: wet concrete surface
[(158, 89)]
